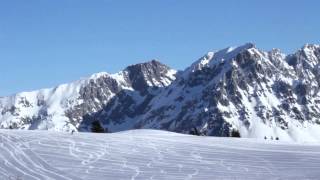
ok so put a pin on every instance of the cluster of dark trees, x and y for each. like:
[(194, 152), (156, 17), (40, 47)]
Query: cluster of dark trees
[(96, 127), (235, 133), (196, 132)]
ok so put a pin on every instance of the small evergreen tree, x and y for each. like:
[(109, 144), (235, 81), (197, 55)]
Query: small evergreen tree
[(96, 127), (194, 131), (235, 133)]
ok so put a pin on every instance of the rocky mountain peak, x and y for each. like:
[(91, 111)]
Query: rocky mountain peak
[(149, 74), (311, 46)]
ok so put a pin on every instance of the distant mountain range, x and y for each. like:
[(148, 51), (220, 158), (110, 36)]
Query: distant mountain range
[(244, 89)]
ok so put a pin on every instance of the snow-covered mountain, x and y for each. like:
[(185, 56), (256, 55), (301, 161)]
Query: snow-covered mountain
[(64, 107), (260, 94)]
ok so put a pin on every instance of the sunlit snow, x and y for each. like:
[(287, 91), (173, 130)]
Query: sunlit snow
[(151, 154)]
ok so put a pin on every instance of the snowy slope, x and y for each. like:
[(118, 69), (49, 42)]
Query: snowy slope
[(47, 106), (151, 154)]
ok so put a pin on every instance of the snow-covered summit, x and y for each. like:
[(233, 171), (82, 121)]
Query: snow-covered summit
[(214, 57)]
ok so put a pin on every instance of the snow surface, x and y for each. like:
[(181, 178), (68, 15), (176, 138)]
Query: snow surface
[(151, 154)]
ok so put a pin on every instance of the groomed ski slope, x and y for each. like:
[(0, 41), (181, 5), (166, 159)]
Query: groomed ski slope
[(151, 154)]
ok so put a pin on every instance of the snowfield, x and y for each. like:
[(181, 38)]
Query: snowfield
[(151, 154)]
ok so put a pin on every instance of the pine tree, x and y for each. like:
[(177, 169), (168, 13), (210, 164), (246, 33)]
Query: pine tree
[(96, 127), (235, 133), (194, 131)]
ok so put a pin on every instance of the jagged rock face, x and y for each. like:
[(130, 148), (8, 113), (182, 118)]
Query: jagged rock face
[(153, 74), (93, 96), (121, 112), (260, 94)]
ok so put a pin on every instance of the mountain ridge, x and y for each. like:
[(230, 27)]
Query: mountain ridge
[(261, 94)]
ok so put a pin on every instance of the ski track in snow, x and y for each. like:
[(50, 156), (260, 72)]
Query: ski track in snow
[(151, 154)]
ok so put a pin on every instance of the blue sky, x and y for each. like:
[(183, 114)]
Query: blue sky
[(44, 42)]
